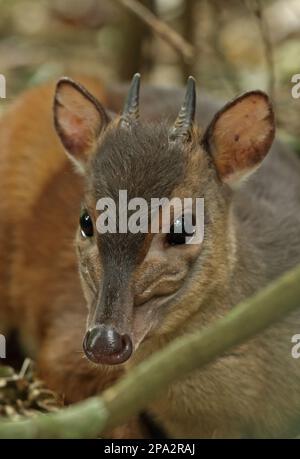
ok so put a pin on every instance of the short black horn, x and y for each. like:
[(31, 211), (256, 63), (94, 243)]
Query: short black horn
[(185, 119), (131, 108)]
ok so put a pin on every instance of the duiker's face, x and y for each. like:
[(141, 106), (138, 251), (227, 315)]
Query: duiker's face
[(134, 282), (132, 279)]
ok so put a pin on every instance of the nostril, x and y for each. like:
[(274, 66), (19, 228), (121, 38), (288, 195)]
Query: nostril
[(126, 347), (103, 344)]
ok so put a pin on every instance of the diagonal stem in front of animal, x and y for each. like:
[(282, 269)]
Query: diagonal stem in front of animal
[(144, 384)]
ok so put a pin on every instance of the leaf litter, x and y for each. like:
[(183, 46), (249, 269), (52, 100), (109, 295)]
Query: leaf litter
[(23, 394)]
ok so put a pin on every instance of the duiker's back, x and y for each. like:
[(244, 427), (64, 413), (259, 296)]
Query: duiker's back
[(268, 210)]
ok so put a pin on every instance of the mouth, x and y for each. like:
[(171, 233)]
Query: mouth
[(106, 344), (149, 316)]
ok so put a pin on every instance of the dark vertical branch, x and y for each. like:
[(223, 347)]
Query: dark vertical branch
[(161, 29), (227, 69), (268, 48), (189, 22), (132, 57)]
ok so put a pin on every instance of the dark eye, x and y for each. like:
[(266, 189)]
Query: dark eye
[(86, 225), (177, 234)]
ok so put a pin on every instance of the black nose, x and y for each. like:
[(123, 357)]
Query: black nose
[(103, 344)]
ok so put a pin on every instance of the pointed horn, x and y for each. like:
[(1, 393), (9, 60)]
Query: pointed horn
[(131, 108), (183, 124)]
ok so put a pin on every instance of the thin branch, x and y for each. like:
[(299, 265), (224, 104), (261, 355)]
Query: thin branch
[(230, 76), (148, 380), (181, 46), (189, 26), (268, 48)]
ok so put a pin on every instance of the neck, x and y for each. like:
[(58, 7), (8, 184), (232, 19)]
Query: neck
[(249, 272)]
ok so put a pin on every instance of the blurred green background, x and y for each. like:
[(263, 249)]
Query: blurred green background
[(237, 45)]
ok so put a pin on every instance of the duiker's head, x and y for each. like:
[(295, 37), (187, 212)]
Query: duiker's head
[(142, 284)]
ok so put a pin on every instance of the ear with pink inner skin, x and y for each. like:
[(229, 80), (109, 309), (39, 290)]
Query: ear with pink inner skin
[(79, 119), (240, 136)]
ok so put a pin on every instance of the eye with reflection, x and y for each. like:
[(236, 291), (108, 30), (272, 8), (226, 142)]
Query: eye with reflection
[(86, 225), (179, 233)]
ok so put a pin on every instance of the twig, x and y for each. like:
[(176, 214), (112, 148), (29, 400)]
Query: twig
[(185, 49), (147, 381), (268, 48), (230, 75), (189, 26)]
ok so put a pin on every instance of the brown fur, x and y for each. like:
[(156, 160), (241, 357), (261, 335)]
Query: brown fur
[(40, 203), (251, 237)]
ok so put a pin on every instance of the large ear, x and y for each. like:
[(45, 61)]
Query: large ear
[(240, 136), (79, 119)]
